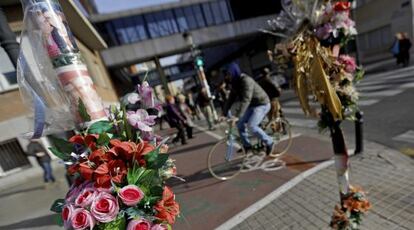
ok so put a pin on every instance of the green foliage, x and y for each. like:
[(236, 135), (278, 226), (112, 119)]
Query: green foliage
[(100, 127), (58, 220), (359, 74), (62, 148), (155, 160), (127, 130), (82, 111), (103, 139), (117, 224), (57, 206), (134, 213)]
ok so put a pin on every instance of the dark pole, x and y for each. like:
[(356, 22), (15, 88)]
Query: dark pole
[(8, 39), (359, 132)]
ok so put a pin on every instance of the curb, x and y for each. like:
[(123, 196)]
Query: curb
[(243, 215)]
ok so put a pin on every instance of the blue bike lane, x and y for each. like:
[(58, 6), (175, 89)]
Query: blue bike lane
[(206, 202)]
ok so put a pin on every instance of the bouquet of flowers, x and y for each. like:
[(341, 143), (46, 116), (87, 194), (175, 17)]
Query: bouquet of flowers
[(334, 25), (120, 169)]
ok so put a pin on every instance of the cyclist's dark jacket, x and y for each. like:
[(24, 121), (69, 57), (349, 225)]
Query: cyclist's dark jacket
[(249, 92)]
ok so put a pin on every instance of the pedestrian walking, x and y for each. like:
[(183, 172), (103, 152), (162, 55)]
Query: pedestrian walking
[(395, 49), (222, 94), (405, 46), (273, 91), (36, 149), (176, 119), (186, 111), (203, 101), (193, 106)]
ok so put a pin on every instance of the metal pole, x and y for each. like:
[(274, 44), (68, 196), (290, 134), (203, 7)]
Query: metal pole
[(204, 82), (359, 132)]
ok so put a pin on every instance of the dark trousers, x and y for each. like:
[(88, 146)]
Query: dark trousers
[(181, 134), (47, 171)]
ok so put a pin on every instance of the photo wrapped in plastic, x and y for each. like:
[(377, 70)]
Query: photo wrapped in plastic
[(52, 75)]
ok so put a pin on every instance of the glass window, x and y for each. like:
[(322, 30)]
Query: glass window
[(153, 28), (224, 11), (190, 17), (120, 31), (181, 19), (130, 29), (140, 27), (215, 9), (198, 16), (172, 24), (111, 33), (207, 14)]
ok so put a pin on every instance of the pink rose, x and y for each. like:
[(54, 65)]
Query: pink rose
[(67, 212), (75, 190), (82, 219), (141, 224), (105, 207), (348, 62), (131, 195), (86, 197), (159, 227)]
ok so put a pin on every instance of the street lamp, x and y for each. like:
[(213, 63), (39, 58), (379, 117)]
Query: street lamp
[(199, 66)]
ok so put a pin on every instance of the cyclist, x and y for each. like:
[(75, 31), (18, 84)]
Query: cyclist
[(254, 105)]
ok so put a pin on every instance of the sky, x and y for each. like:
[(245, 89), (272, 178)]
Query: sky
[(109, 6)]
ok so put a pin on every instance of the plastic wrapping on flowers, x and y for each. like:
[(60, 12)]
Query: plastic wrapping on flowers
[(119, 176)]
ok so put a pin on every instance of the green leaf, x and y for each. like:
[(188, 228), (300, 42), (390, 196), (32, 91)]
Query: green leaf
[(100, 127), (134, 212), (62, 145), (103, 139), (155, 160), (58, 220), (117, 224), (127, 126), (62, 148), (134, 174), (82, 111), (59, 154), (57, 206)]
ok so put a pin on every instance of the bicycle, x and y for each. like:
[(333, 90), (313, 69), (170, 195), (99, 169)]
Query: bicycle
[(229, 166), (236, 160)]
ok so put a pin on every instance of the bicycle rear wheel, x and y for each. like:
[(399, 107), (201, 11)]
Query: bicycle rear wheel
[(225, 162), (279, 130)]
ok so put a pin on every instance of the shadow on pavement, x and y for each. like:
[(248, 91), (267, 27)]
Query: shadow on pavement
[(32, 223), (41, 187), (191, 148)]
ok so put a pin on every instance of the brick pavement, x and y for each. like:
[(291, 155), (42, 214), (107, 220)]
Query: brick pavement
[(386, 175)]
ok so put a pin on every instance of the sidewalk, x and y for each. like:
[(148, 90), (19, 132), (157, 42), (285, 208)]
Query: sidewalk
[(384, 173)]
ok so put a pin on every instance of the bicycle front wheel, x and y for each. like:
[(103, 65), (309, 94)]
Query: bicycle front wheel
[(279, 130), (225, 160)]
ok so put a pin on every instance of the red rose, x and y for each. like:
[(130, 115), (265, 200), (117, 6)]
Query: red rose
[(131, 195), (342, 6)]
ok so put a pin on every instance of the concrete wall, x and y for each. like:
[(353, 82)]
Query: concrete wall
[(169, 45), (386, 16)]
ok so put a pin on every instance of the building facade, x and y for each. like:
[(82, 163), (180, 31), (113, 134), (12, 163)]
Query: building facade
[(14, 120), (377, 22), (154, 34)]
